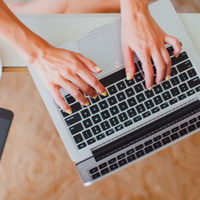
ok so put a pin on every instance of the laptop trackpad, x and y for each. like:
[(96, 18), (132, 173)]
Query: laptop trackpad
[(103, 47)]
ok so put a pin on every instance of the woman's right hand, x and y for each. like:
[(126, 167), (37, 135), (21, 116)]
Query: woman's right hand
[(69, 70)]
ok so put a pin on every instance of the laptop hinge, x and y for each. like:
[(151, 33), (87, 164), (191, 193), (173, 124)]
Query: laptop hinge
[(146, 131)]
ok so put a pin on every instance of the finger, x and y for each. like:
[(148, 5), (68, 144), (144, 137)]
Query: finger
[(175, 43), (89, 64), (167, 61), (147, 68), (160, 66), (54, 90), (128, 62), (71, 89)]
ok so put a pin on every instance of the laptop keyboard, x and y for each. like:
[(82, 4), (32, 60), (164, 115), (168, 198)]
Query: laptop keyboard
[(128, 102)]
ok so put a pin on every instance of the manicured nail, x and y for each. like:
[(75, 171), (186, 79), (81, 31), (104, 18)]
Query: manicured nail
[(104, 94), (158, 83), (177, 55), (128, 76), (150, 88), (98, 68), (87, 103), (69, 111), (167, 78), (95, 96)]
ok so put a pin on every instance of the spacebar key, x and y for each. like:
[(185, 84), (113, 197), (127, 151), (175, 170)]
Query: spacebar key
[(110, 79)]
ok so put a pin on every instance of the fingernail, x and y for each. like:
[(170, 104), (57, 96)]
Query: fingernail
[(128, 76), (150, 88), (98, 68), (104, 94), (158, 83), (95, 96), (87, 103), (167, 78), (177, 55), (69, 111)]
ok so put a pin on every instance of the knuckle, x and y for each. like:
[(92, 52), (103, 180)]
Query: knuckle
[(76, 94), (94, 80), (168, 61), (88, 89)]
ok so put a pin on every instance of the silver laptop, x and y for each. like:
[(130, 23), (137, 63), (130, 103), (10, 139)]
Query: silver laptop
[(132, 122)]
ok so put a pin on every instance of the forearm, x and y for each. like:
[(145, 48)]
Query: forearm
[(18, 36)]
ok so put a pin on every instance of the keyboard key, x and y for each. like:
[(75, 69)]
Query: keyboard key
[(141, 146), (104, 171), (128, 123), (191, 128), (105, 125), (166, 140), (95, 176), (137, 69), (95, 100), (183, 77), (194, 82), (112, 100), (85, 113), (183, 132), (76, 128), (175, 129), (183, 87), (101, 136), (131, 112), (94, 109), (157, 89), (92, 171), (157, 145), (111, 161), (103, 165), (166, 96), (109, 132), (78, 138), (87, 123), (131, 158), (175, 91), (164, 105), (166, 133), (138, 88), (182, 56), (149, 93), (170, 50), (182, 96), (166, 85), (113, 167), (155, 110), (174, 136), (140, 97), (114, 110), (121, 96), (87, 134), (91, 141), (191, 73), (191, 92), (197, 88), (139, 64), (173, 101), (192, 121), (174, 71), (70, 99), (121, 85), (149, 104), (72, 119), (140, 154), (82, 145), (132, 102), (112, 90), (123, 106), (96, 129), (148, 149), (121, 156), (129, 92), (123, 117), (118, 128), (184, 66), (76, 107), (130, 82), (157, 138), (174, 81), (157, 100), (146, 114), (136, 119), (114, 121), (198, 124), (64, 114), (147, 143), (184, 125), (138, 77), (129, 152), (105, 114), (96, 119), (122, 162), (103, 105)]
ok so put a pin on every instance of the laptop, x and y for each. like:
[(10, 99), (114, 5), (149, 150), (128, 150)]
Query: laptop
[(132, 122)]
